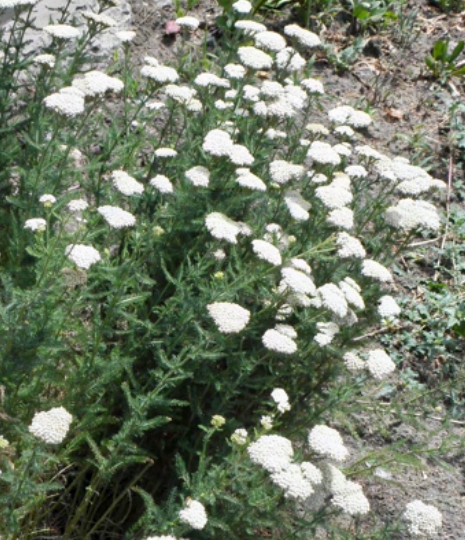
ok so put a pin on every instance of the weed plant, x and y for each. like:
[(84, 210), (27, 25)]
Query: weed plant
[(186, 263)]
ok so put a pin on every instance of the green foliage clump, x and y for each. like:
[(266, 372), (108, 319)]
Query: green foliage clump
[(176, 246)]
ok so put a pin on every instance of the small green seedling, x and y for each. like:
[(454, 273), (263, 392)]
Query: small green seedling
[(442, 63)]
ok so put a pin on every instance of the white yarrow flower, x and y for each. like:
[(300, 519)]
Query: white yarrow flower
[(333, 299), (165, 153), (198, 176), (303, 36), (328, 443), (62, 31), (45, 60), (247, 179), (126, 36), (375, 270), (282, 171), (126, 184), (194, 514), (224, 228), (229, 318), (249, 27), (254, 58), (218, 143), (323, 153), (423, 520), (116, 217), (82, 256), (100, 19), (77, 205), (280, 397), (388, 308), (47, 199), (269, 41), (96, 83), (349, 246), (162, 184), (239, 437), (188, 22), (298, 207), (293, 482), (298, 281), (160, 74), (35, 224), (273, 452), (353, 363), (242, 6), (64, 103), (379, 364), (342, 218), (267, 252), (51, 426), (278, 342)]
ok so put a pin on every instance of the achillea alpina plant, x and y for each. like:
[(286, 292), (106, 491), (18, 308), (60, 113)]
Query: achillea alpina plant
[(182, 273)]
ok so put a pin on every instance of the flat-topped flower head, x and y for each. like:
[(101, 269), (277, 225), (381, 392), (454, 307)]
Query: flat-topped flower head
[(375, 270), (188, 22), (218, 143), (254, 58), (47, 199), (282, 171), (162, 184), (82, 256), (323, 153), (51, 426), (77, 205), (328, 443), (342, 218), (116, 217), (298, 281), (313, 86), (280, 397), (333, 299), (267, 252), (351, 499), (293, 482), (194, 514), (8, 4), (304, 37), (125, 184), (270, 41), (100, 19), (96, 83), (290, 60), (349, 246), (47, 60), (247, 179), (353, 362), (229, 318), (198, 176), (64, 103), (334, 196), (388, 308), (379, 364), (346, 115), (240, 155), (234, 71), (165, 153), (423, 520), (276, 341), (352, 293), (35, 224), (298, 207), (273, 452), (410, 214), (126, 36), (62, 31), (224, 228), (160, 74), (242, 6), (209, 79)]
